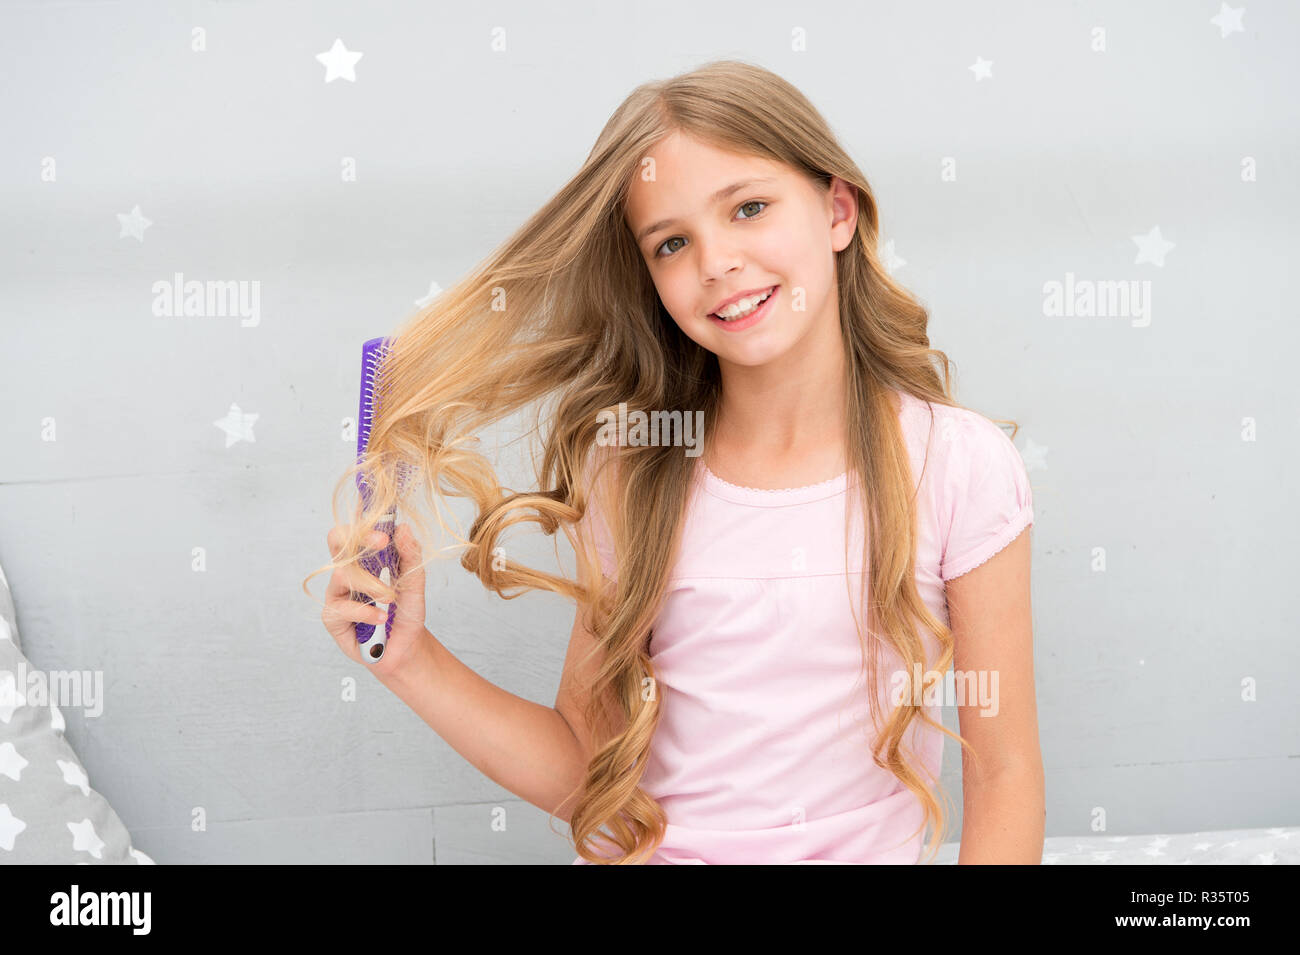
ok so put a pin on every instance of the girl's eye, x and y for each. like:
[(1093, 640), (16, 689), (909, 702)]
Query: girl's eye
[(659, 253)]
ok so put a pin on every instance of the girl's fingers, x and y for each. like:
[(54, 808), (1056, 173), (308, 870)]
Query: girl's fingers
[(352, 579), (353, 611), (337, 587), (408, 549), (360, 581), (334, 539), (340, 611)]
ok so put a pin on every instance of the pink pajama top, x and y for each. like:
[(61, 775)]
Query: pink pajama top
[(763, 750)]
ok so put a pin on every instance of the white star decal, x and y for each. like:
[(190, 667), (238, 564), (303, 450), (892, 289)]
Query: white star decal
[(339, 62), (10, 826), (434, 291), (1152, 248), (11, 696), (85, 839), (74, 775), (133, 224), (891, 259), (982, 68), (1228, 20), (11, 761), (237, 425)]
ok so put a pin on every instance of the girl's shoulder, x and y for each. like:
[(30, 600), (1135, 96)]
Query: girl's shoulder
[(952, 436), (973, 476)]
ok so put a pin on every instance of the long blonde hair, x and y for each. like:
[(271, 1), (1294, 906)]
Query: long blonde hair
[(566, 311)]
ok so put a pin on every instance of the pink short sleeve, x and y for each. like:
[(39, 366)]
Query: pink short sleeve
[(986, 496)]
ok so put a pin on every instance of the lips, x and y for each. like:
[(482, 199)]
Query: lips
[(743, 295)]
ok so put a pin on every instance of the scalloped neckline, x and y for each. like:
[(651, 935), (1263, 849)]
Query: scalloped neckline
[(772, 497), (775, 490), (807, 493)]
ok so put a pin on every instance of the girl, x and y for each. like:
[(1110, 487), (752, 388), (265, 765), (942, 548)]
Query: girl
[(717, 253)]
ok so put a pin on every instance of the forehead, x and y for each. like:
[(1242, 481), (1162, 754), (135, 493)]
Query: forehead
[(686, 171)]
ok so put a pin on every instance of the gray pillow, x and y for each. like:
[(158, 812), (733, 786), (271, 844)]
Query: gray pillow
[(7, 613), (49, 815)]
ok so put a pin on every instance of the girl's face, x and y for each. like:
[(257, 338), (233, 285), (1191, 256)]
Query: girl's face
[(706, 243)]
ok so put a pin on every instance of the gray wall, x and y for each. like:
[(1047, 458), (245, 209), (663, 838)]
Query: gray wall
[(223, 690)]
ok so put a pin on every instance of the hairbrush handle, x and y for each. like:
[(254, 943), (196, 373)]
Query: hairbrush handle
[(382, 564)]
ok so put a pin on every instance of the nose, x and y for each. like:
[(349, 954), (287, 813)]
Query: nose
[(718, 256)]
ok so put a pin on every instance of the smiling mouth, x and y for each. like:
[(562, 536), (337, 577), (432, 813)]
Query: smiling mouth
[(757, 305)]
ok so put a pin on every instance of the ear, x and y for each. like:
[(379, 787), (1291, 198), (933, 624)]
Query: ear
[(843, 200)]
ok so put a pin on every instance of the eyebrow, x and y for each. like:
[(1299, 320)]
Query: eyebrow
[(713, 200)]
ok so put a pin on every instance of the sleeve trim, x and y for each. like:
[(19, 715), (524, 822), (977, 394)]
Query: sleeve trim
[(968, 562)]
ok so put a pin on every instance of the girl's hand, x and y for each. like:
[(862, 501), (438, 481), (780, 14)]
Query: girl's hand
[(342, 612)]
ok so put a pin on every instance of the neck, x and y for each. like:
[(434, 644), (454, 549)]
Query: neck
[(789, 406)]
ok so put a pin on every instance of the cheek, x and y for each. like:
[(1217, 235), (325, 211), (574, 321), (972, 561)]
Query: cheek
[(786, 253), (776, 244), (676, 296), (680, 308), (806, 261)]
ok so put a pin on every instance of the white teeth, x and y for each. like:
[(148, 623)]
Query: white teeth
[(743, 307)]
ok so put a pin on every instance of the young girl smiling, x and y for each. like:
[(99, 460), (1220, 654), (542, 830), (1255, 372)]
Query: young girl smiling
[(721, 700)]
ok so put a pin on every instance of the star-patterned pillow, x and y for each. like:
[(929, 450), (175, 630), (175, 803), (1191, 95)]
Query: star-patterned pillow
[(49, 815)]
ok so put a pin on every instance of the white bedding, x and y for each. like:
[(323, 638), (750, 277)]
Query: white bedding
[(1276, 846)]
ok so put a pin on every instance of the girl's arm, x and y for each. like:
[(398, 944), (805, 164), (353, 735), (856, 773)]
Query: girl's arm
[(526, 747), (1003, 802)]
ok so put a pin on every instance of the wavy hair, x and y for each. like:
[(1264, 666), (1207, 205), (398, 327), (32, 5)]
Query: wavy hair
[(565, 314)]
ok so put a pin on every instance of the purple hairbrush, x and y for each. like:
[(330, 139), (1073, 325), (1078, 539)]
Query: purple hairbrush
[(382, 564)]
